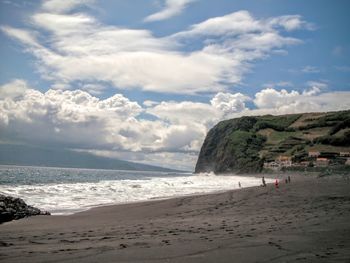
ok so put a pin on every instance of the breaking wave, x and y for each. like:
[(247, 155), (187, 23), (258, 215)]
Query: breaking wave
[(92, 188)]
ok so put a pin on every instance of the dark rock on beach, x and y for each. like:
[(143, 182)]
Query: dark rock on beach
[(12, 208)]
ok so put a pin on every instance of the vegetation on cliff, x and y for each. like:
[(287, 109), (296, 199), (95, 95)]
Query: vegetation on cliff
[(242, 145)]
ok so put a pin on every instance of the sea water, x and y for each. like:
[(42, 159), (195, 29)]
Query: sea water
[(66, 190)]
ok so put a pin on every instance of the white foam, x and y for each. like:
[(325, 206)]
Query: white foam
[(74, 197)]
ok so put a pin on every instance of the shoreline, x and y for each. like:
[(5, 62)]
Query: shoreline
[(278, 176), (228, 182), (305, 221), (155, 199)]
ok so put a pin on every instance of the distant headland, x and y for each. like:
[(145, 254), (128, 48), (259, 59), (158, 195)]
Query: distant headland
[(286, 142)]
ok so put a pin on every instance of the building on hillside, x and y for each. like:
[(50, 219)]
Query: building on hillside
[(321, 162), (344, 154), (314, 154), (302, 164), (271, 165), (347, 161), (284, 161)]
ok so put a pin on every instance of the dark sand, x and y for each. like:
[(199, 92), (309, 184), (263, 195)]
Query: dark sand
[(305, 221)]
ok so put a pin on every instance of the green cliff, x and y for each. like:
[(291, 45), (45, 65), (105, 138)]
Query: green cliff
[(242, 145)]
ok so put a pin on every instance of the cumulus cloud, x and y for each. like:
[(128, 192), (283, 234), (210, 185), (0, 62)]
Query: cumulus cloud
[(13, 89), (187, 123), (116, 126), (313, 99), (150, 103), (79, 120), (78, 47), (270, 98), (184, 112), (229, 103), (69, 117), (171, 8), (315, 87)]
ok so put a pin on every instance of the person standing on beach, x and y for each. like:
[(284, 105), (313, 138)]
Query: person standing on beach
[(276, 183), (239, 184), (288, 179), (263, 182)]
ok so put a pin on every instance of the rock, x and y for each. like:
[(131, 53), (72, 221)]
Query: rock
[(12, 208), (231, 146)]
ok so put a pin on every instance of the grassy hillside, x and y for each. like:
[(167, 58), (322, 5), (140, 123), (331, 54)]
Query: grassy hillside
[(243, 144)]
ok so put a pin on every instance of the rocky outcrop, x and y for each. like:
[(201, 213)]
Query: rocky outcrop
[(12, 208), (231, 146)]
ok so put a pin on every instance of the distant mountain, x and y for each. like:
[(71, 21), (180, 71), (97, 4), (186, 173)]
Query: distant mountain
[(12, 154), (243, 144)]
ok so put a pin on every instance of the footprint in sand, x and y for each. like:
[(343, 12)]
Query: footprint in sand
[(122, 246), (104, 238)]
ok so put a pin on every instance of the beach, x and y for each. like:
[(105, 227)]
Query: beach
[(307, 220)]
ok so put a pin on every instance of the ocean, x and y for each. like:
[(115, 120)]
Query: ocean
[(64, 191)]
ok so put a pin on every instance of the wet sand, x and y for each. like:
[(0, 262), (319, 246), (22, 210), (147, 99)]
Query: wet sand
[(305, 221)]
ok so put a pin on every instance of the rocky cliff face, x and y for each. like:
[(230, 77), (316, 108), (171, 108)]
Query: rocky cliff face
[(12, 208), (231, 147), (242, 145)]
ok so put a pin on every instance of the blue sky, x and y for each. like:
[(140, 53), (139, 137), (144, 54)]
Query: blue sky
[(152, 77)]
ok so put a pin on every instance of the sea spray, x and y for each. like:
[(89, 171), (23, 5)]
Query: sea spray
[(66, 191)]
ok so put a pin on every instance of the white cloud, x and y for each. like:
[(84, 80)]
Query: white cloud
[(61, 86), (94, 89), (272, 101), (315, 87), (24, 36), (229, 103), (185, 112), (310, 69), (270, 98), (283, 84), (80, 118), (291, 22), (77, 47), (240, 22), (116, 125), (77, 120), (171, 8), (13, 89), (59, 6), (64, 24), (150, 103)]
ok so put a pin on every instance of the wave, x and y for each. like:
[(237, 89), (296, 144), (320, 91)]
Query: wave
[(68, 198)]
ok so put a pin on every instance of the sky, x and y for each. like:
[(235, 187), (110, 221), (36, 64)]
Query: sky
[(145, 80)]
